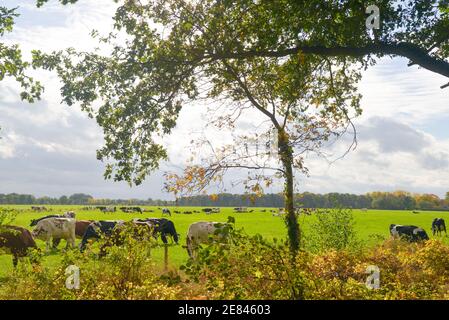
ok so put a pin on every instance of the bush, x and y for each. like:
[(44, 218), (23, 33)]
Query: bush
[(247, 267), (332, 229), (7, 216), (243, 267), (250, 267), (126, 272)]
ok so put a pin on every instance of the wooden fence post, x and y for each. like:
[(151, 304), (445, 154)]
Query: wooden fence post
[(165, 257)]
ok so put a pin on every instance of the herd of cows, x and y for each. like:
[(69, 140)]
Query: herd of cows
[(414, 233), (106, 209), (53, 228)]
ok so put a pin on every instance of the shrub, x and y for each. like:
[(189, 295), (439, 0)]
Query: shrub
[(332, 229), (7, 216), (251, 267), (244, 267), (126, 272), (247, 267)]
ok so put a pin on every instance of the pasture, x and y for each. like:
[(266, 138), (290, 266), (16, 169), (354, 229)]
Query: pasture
[(371, 226)]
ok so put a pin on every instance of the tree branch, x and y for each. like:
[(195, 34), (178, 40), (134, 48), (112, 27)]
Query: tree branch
[(416, 54), (250, 96)]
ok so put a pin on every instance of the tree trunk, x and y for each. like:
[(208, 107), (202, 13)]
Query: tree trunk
[(286, 156)]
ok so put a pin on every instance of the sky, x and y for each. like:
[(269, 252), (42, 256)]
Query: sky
[(48, 148)]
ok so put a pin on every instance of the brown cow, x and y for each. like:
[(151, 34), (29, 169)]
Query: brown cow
[(17, 241), (80, 229)]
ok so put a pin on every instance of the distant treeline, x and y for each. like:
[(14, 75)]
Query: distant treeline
[(397, 200), (76, 199)]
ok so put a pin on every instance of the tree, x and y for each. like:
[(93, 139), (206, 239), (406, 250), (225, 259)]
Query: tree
[(304, 109), (417, 30), (11, 62), (63, 200), (79, 198), (428, 201), (143, 85)]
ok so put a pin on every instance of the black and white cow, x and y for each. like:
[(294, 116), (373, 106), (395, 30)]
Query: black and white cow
[(163, 227), (166, 211), (68, 214), (109, 209), (97, 229), (409, 233), (202, 232), (438, 225), (56, 228)]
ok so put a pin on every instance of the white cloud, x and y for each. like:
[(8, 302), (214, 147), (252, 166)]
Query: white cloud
[(7, 145), (410, 94), (390, 156)]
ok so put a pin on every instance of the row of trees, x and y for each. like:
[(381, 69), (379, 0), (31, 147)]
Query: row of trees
[(397, 200), (76, 199), (15, 198)]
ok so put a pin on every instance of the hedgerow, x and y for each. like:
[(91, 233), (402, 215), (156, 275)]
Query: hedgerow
[(242, 267)]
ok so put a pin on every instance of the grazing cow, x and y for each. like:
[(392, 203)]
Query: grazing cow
[(163, 227), (201, 232), (112, 230), (41, 208), (308, 211), (438, 225), (17, 241), (131, 209), (57, 228), (137, 209), (109, 209), (80, 230), (166, 211), (207, 210), (98, 228), (409, 233), (68, 214), (139, 230)]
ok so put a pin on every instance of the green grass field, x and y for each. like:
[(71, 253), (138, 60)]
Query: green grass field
[(372, 222)]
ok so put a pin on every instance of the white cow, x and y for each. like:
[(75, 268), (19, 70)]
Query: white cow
[(200, 232), (58, 228)]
